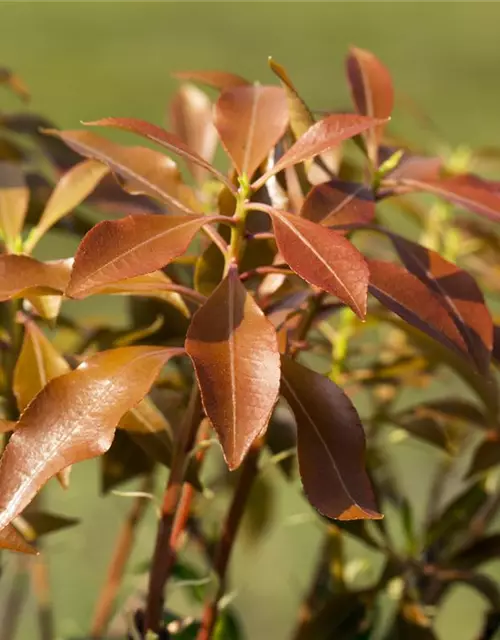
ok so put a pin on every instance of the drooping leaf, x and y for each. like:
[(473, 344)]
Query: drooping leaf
[(164, 138), (459, 292), (339, 203), (22, 275), (250, 120), (191, 118), (14, 197), (74, 418), (323, 258), (12, 540), (217, 79), (324, 135), (235, 354), (405, 295), (38, 363), (478, 552), (372, 93), (331, 444), (74, 186), (118, 249), (142, 170), (301, 118)]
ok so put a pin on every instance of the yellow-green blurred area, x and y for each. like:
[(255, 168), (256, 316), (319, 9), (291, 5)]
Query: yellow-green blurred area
[(88, 60)]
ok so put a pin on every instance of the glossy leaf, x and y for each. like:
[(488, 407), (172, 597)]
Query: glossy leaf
[(339, 203), (250, 121), (118, 249), (487, 455), (12, 540), (44, 522), (331, 444), (324, 135), (74, 418), (323, 258), (164, 138), (21, 275), (39, 362), (235, 354), (372, 92), (405, 295), (123, 461), (459, 292), (191, 118), (14, 197), (71, 190), (218, 79), (143, 171)]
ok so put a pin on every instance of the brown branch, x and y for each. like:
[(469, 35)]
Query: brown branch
[(123, 548), (164, 552), (249, 471)]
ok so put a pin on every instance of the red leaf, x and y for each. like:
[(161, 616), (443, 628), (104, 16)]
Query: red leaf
[(250, 120), (235, 354), (322, 136), (21, 275), (339, 203), (323, 258), (164, 138), (74, 418), (191, 118), (218, 79), (372, 92), (459, 294), (143, 171), (404, 294), (117, 249), (331, 444)]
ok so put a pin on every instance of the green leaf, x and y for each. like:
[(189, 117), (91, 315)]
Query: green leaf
[(14, 198), (22, 276)]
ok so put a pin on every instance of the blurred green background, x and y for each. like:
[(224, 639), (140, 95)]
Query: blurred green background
[(84, 61)]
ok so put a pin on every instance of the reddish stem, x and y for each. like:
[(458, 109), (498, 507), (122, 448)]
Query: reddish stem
[(164, 553), (230, 528)]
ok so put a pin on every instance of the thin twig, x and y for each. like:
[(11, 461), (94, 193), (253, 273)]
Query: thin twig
[(163, 553), (249, 471), (265, 270), (123, 548)]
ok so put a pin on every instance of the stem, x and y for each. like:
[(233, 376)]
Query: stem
[(163, 553), (41, 588), (230, 528), (216, 238), (238, 227), (123, 548)]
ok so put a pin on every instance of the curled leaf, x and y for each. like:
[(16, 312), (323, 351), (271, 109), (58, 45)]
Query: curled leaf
[(250, 120), (235, 355), (331, 444), (74, 418)]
